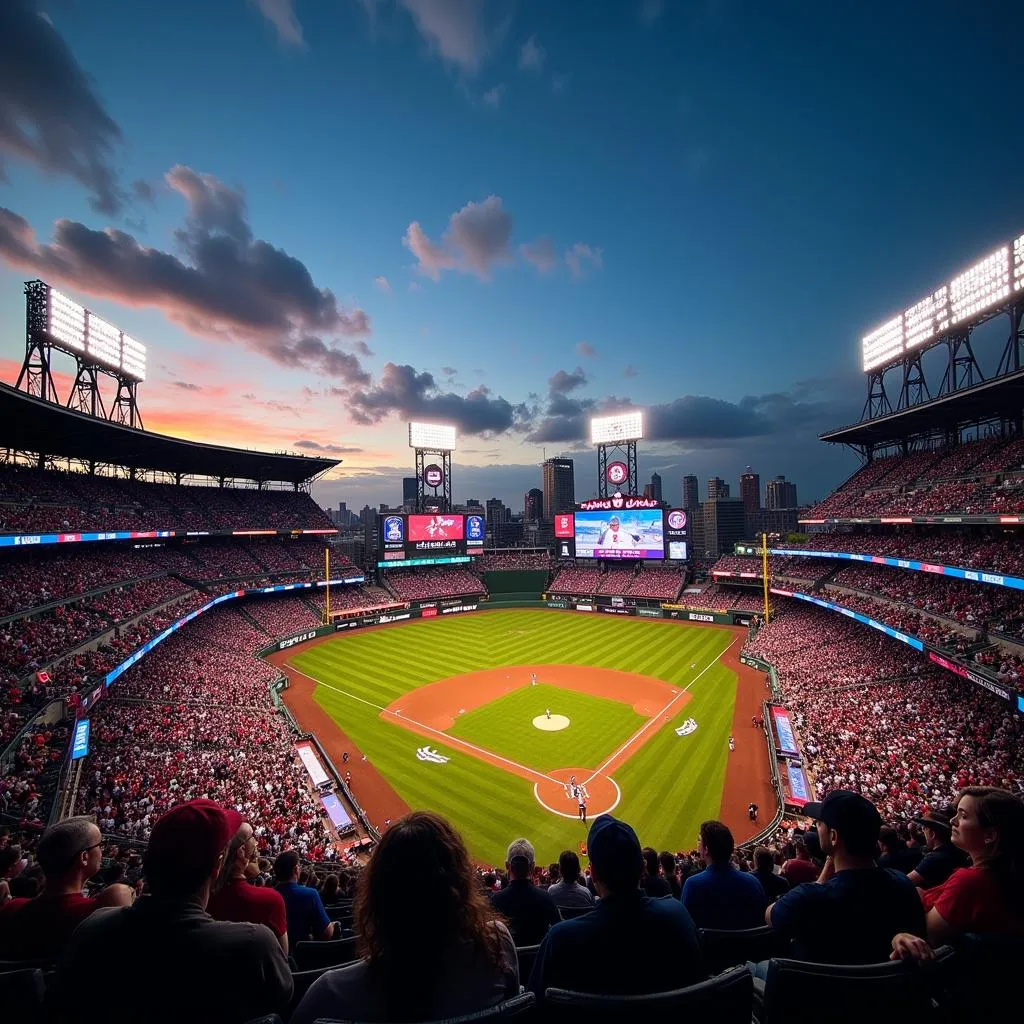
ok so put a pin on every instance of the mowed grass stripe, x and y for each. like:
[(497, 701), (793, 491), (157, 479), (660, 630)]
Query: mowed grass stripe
[(669, 786)]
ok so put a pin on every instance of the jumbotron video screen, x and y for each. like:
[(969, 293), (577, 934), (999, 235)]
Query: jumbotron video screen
[(431, 535)]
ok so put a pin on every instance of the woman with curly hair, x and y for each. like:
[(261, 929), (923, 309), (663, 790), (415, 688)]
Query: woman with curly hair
[(432, 946)]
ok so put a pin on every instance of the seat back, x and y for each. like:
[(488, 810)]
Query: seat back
[(986, 980), (519, 1008), (332, 953), (21, 994), (725, 999), (568, 913), (270, 1018), (724, 948), (858, 992), (303, 980), (526, 955)]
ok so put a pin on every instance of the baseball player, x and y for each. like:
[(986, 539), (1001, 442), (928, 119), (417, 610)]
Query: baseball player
[(533, 678), (583, 807), (547, 712), (732, 743)]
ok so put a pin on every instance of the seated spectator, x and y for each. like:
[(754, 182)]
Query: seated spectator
[(629, 944), (989, 895), (671, 873), (721, 896), (528, 909), (330, 891), (39, 928), (651, 881), (234, 899), (568, 892), (430, 943), (942, 858), (307, 918), (764, 871), (850, 915), (895, 855), (174, 962)]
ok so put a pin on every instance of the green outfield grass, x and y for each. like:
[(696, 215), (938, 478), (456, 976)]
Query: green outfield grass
[(597, 727), (670, 786)]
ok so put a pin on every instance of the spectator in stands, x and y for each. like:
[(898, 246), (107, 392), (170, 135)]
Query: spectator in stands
[(568, 892), (989, 895), (651, 881), (431, 945), (850, 915), (307, 918), (629, 944), (671, 873), (721, 896), (69, 855), (800, 868), (234, 899), (942, 858), (529, 910), (174, 962), (764, 871), (896, 855)]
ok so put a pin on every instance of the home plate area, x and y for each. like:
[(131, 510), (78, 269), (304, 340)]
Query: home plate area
[(554, 793)]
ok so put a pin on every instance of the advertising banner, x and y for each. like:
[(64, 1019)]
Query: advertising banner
[(799, 791), (784, 730), (80, 741), (649, 613)]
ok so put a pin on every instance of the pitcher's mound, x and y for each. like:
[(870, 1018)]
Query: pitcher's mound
[(556, 723)]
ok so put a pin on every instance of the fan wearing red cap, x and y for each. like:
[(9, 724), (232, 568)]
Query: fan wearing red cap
[(174, 961)]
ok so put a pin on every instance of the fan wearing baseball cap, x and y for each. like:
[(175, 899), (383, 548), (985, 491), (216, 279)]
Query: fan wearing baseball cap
[(174, 962), (852, 912), (629, 944), (942, 858)]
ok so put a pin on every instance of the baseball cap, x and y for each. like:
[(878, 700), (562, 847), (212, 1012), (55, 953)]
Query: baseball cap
[(940, 818), (849, 813), (191, 836), (521, 850), (613, 848)]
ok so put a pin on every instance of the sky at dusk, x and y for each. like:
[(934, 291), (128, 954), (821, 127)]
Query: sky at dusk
[(328, 217)]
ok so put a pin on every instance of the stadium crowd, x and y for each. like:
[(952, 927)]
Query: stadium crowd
[(426, 584)]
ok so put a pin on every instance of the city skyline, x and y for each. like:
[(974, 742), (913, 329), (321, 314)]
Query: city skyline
[(506, 220)]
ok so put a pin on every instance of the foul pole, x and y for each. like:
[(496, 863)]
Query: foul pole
[(327, 586), (764, 571)]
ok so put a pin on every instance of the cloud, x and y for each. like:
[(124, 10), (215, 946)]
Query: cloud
[(651, 10), (49, 113), (585, 350), (531, 56), (540, 253), (382, 283), (558, 83), (415, 395), (225, 285), (492, 98), (561, 382), (184, 385), (143, 191), (476, 239), (454, 29), (631, 371), (330, 449), (281, 14), (582, 255)]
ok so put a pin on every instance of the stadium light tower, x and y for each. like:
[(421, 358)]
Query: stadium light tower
[(617, 436), (433, 444)]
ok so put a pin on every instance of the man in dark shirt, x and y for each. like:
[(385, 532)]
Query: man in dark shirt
[(942, 857), (629, 944), (652, 883), (895, 852), (307, 918), (764, 871), (174, 962), (529, 911), (722, 896), (851, 913)]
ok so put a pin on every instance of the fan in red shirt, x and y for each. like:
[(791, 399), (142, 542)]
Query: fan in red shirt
[(236, 900), (38, 929)]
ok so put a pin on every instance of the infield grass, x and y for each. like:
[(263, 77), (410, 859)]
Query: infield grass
[(670, 786)]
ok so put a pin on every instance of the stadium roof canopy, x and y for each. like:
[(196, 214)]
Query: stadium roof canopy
[(1001, 397), (30, 424)]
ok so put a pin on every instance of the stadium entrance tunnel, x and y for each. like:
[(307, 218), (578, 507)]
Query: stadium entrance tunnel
[(554, 794)]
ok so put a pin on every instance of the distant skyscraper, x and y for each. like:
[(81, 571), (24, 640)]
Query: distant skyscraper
[(724, 524), (691, 491), (717, 488), (780, 493), (495, 512), (533, 505), (559, 486), (750, 491), (408, 489), (656, 487)]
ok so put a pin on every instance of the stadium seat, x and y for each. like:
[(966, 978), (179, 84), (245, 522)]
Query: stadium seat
[(526, 956), (303, 980), (21, 994), (724, 948), (518, 1008), (6, 966), (724, 999), (270, 1018), (903, 989), (568, 913), (333, 953), (985, 980)]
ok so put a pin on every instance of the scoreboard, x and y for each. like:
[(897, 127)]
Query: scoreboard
[(621, 528), (435, 535)]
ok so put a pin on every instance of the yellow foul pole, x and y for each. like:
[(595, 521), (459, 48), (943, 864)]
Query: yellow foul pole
[(764, 571), (327, 586)]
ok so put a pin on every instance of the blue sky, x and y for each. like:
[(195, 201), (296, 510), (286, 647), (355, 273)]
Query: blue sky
[(550, 209)]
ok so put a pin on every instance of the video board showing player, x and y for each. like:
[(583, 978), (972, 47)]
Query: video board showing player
[(636, 533)]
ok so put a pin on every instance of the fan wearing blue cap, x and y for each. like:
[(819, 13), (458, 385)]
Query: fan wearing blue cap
[(851, 913), (629, 944)]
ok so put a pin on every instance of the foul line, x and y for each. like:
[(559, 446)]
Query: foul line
[(448, 740), (654, 719)]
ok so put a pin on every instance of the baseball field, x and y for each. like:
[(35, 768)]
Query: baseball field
[(487, 718)]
